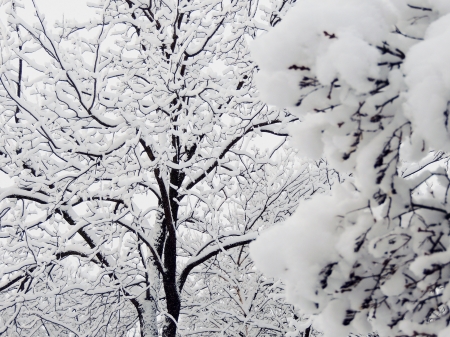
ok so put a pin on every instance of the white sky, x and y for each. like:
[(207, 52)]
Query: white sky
[(57, 9)]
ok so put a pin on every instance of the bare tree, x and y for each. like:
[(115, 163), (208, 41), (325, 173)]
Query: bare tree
[(96, 114), (227, 293)]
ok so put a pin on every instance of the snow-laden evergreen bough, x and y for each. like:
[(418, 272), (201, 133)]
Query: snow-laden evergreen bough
[(370, 81), (96, 117)]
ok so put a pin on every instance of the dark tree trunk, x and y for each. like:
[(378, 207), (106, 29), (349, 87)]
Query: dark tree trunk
[(170, 283)]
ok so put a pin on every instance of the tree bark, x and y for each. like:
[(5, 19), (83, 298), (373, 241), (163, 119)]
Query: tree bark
[(147, 317), (170, 283)]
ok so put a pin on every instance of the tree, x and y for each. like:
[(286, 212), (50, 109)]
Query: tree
[(95, 115), (370, 81), (228, 294)]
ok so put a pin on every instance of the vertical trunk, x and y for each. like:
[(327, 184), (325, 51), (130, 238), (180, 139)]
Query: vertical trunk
[(147, 317), (147, 304), (170, 287), (173, 300)]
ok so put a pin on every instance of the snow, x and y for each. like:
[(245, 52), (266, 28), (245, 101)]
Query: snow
[(370, 83), (350, 58), (98, 126), (354, 24), (442, 6), (428, 78), (280, 251)]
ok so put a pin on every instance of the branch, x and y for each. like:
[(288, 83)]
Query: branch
[(227, 148), (18, 193), (207, 40), (156, 257), (213, 251), (59, 256), (85, 236), (162, 188), (10, 283)]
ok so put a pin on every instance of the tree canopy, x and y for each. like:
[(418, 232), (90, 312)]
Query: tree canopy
[(131, 143)]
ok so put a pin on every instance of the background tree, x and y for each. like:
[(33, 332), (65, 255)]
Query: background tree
[(227, 294), (370, 81), (123, 141)]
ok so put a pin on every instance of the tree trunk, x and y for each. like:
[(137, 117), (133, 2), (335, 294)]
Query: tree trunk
[(171, 287), (148, 302), (170, 283), (147, 317)]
